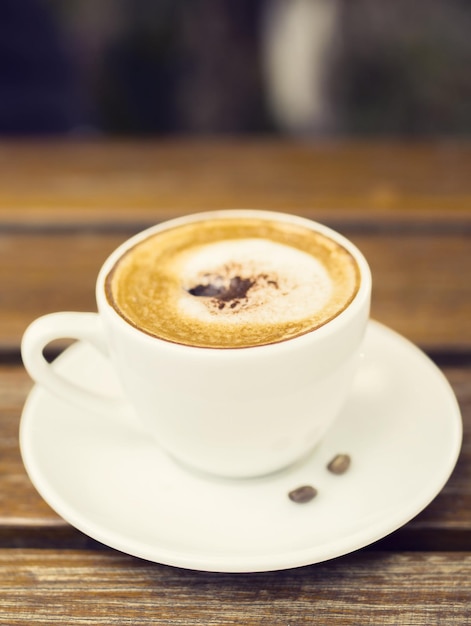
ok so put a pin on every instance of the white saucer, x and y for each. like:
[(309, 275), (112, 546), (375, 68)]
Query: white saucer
[(402, 428)]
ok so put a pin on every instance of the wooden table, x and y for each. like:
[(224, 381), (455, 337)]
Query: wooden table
[(64, 207)]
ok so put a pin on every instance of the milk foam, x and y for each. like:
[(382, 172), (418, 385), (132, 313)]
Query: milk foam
[(229, 283), (251, 281)]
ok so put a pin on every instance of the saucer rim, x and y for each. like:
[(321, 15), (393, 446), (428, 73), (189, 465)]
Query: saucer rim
[(298, 557)]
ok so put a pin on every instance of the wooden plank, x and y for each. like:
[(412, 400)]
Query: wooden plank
[(49, 587), (41, 274), (421, 282), (27, 521), (98, 182), (421, 287), (20, 504)]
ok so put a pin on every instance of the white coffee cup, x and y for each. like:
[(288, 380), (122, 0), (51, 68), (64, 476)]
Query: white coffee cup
[(240, 412)]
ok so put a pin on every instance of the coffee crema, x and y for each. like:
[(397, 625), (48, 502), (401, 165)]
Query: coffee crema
[(232, 282)]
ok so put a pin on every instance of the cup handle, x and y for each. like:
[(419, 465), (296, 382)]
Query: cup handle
[(67, 325)]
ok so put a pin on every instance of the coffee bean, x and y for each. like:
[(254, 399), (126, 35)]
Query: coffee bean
[(302, 494), (339, 464)]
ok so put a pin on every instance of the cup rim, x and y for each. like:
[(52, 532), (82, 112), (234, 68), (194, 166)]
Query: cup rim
[(363, 294)]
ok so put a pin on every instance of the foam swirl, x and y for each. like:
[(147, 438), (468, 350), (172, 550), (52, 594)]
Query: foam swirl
[(251, 281)]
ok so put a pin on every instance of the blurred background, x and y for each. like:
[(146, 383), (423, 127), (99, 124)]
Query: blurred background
[(298, 67)]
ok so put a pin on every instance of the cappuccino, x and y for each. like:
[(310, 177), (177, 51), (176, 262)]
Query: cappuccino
[(232, 282)]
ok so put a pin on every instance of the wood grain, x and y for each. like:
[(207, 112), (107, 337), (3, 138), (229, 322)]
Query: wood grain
[(417, 589), (47, 183)]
